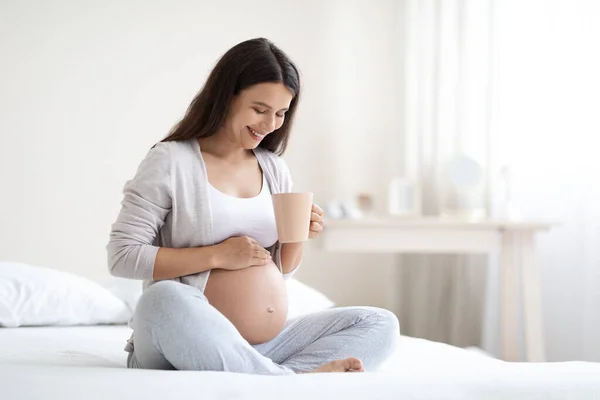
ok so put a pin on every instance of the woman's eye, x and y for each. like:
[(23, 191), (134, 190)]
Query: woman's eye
[(259, 111), (280, 115)]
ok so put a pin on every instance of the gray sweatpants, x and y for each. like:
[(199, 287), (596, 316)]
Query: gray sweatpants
[(176, 328)]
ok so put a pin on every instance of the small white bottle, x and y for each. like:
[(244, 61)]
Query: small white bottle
[(508, 210)]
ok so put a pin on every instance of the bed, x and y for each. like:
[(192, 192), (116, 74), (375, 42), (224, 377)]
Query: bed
[(88, 362), (73, 362)]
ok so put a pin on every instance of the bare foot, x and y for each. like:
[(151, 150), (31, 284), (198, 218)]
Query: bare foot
[(347, 365)]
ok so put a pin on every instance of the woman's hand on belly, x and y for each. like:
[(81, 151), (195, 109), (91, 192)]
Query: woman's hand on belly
[(240, 252)]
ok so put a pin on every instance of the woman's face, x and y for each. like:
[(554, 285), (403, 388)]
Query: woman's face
[(256, 112)]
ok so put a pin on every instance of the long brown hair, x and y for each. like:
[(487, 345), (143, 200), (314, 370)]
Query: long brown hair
[(247, 63)]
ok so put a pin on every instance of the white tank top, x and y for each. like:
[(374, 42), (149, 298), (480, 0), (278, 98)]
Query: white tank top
[(234, 216)]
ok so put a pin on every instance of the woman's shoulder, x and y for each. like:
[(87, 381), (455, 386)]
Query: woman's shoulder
[(178, 146), (175, 152), (169, 159)]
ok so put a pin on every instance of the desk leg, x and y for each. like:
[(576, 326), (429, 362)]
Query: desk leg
[(509, 318), (532, 308)]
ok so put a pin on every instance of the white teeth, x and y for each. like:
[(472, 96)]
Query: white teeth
[(256, 134)]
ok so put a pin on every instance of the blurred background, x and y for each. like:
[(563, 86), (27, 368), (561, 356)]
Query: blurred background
[(393, 91)]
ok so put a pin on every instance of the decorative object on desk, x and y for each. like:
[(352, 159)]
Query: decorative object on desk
[(334, 209), (365, 202), (462, 190), (404, 197), (351, 211)]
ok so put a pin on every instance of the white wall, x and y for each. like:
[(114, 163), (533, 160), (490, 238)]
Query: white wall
[(87, 87)]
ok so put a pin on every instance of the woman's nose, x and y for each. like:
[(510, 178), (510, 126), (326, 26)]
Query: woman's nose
[(268, 124)]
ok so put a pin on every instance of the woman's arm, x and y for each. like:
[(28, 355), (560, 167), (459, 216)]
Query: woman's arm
[(173, 263), (235, 253), (147, 200), (291, 255)]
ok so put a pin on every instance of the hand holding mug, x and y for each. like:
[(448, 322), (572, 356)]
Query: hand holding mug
[(316, 221)]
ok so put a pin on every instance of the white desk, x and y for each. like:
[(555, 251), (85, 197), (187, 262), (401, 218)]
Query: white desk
[(512, 242)]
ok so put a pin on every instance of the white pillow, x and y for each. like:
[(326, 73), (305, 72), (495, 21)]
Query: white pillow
[(127, 290), (35, 296), (302, 299)]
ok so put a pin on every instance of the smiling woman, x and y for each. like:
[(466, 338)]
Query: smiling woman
[(198, 216), (257, 119), (254, 75)]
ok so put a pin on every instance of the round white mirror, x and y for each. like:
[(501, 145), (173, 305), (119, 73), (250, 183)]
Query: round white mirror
[(462, 191), (464, 173)]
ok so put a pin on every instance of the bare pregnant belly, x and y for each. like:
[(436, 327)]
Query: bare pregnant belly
[(253, 299)]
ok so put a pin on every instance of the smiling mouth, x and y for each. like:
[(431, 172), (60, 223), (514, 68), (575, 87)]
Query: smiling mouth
[(256, 135)]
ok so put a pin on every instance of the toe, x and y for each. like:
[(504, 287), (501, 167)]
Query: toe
[(355, 364)]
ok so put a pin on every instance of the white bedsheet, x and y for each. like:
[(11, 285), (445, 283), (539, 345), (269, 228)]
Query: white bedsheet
[(88, 362)]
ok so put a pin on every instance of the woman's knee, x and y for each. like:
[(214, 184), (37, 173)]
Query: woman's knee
[(386, 327), (390, 321), (165, 300)]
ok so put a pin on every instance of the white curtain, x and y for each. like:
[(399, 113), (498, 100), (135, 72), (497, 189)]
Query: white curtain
[(447, 113), (511, 82), (546, 125)]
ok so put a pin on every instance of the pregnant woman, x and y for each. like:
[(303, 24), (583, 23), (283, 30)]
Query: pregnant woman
[(197, 226)]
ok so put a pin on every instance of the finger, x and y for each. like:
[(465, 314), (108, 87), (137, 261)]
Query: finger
[(313, 233), (252, 240), (318, 210), (261, 254), (259, 249), (256, 244), (316, 227), (314, 217), (260, 261)]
